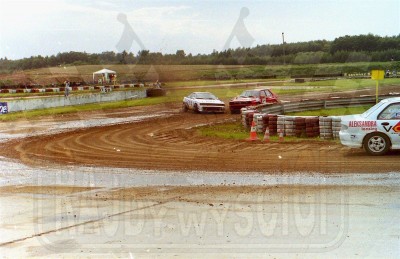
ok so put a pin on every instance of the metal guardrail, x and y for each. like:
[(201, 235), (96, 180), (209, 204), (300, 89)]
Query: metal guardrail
[(309, 105)]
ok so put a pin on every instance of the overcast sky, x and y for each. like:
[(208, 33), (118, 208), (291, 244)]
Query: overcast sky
[(30, 28)]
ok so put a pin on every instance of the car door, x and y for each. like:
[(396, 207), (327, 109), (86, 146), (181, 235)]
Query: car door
[(270, 97), (388, 121), (263, 97)]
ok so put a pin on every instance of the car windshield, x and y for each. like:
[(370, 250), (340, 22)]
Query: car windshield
[(372, 109), (206, 96), (250, 93)]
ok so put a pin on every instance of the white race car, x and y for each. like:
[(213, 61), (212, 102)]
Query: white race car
[(203, 102), (377, 130)]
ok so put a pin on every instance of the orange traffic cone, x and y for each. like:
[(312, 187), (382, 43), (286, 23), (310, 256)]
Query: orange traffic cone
[(253, 132), (266, 135), (280, 132)]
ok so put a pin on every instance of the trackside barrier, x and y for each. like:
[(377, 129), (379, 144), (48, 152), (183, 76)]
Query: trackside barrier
[(336, 126), (325, 128), (15, 105), (308, 105)]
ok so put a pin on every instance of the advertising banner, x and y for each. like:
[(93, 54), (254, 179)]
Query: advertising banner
[(3, 108)]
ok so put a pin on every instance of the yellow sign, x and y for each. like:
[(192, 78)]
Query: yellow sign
[(377, 74)]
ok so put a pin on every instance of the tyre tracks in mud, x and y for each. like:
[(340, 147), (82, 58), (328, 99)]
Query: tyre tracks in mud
[(172, 143)]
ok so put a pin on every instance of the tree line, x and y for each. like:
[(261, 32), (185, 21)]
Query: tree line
[(361, 48)]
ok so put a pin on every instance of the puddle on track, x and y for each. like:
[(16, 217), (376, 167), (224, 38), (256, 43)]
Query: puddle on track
[(52, 127), (14, 173)]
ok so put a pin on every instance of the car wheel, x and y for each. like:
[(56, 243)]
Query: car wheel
[(376, 144), (196, 108), (184, 107)]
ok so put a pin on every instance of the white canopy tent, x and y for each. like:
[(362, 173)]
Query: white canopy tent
[(104, 72)]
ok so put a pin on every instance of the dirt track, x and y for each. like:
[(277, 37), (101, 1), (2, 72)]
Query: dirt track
[(48, 212), (171, 143)]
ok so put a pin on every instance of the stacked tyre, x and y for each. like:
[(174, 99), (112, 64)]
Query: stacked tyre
[(325, 127), (259, 122), (272, 124), (290, 129), (244, 123), (281, 125), (244, 113), (249, 118), (265, 121), (336, 126), (312, 127), (300, 126)]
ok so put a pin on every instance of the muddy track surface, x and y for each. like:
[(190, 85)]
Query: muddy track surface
[(173, 143)]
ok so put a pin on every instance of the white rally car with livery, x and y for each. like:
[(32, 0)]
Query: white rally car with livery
[(203, 102), (377, 129)]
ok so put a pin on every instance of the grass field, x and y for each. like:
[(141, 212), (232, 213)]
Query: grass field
[(176, 95), (185, 73), (180, 77)]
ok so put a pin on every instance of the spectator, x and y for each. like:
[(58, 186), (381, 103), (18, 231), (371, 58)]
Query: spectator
[(103, 78), (114, 80), (66, 90)]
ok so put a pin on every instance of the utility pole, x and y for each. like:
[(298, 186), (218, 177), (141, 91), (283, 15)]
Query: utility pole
[(283, 45)]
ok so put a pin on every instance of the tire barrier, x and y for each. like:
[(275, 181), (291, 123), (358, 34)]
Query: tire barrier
[(265, 122), (244, 113), (273, 124), (289, 129), (280, 125), (325, 128), (312, 127), (293, 126), (300, 126), (60, 89), (259, 122), (336, 126), (249, 118)]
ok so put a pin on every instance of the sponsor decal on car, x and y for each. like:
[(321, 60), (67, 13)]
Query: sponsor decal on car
[(396, 128), (364, 125)]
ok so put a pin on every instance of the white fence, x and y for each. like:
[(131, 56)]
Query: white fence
[(25, 104)]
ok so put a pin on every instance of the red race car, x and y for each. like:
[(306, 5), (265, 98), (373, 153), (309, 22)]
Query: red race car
[(252, 98)]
